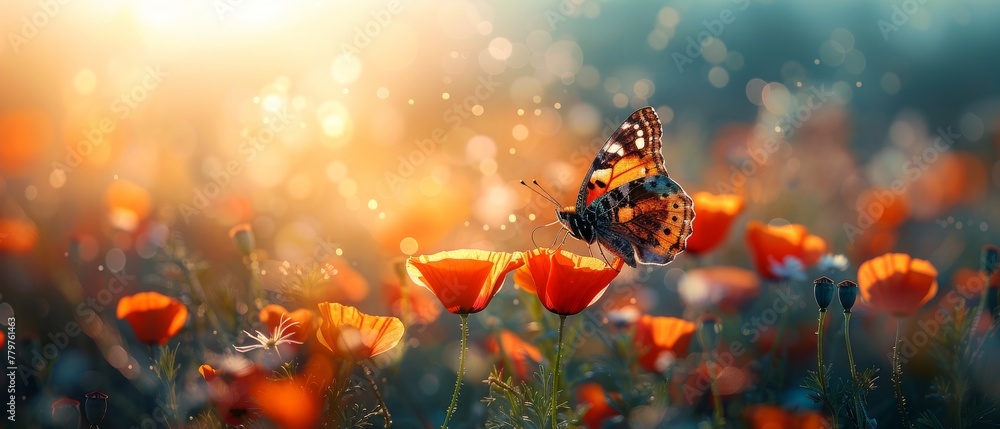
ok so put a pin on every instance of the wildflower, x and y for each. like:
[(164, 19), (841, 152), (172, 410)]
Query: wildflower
[(230, 389), (299, 321), (831, 262), (783, 251), (277, 337), (243, 238), (662, 339), (465, 281), (355, 336), (598, 402), (521, 355), (715, 216), (568, 283), (823, 291), (897, 284), (523, 280), (848, 292), (155, 318), (727, 288)]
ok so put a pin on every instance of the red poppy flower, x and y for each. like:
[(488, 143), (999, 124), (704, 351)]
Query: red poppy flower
[(522, 355), (465, 281), (230, 389), (771, 245), (897, 284), (523, 280), (662, 338), (155, 318), (715, 215), (568, 283), (599, 408), (272, 314), (355, 336)]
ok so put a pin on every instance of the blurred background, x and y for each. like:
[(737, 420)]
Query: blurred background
[(357, 133)]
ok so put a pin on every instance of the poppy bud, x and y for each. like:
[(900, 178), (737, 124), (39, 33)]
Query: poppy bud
[(96, 407), (243, 238), (708, 332), (992, 298), (823, 289), (990, 259), (848, 291)]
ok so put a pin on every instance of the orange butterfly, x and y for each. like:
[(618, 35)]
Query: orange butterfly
[(627, 203)]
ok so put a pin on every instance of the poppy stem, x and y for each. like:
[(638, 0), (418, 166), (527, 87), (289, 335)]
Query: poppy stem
[(897, 379), (860, 417), (821, 371), (378, 395), (555, 377), (461, 372)]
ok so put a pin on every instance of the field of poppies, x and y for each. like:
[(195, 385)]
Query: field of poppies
[(253, 213)]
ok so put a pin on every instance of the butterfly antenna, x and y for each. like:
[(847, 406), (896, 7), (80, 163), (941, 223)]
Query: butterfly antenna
[(551, 198), (544, 194), (540, 227)]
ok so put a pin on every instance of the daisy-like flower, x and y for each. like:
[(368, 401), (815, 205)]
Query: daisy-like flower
[(791, 268), (832, 262), (276, 339)]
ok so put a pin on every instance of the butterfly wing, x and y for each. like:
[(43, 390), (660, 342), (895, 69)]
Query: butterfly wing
[(650, 217), (632, 152)]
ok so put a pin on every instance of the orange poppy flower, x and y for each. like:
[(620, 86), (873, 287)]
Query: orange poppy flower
[(599, 408), (773, 417), (771, 245), (728, 288), (230, 389), (355, 336), (715, 215), (155, 318), (271, 316), (287, 403), (660, 338), (523, 280), (522, 355), (465, 281), (568, 283), (897, 284)]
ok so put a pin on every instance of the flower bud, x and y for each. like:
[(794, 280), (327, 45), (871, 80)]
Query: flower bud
[(96, 407), (708, 332), (243, 238), (993, 302), (848, 291), (823, 289)]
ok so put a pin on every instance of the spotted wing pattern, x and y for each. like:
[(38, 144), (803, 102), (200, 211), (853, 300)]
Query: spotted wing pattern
[(632, 152)]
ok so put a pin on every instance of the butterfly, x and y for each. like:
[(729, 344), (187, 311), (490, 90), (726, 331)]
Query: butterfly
[(627, 203)]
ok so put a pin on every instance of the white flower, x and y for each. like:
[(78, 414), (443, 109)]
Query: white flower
[(833, 262), (790, 269), (277, 338)]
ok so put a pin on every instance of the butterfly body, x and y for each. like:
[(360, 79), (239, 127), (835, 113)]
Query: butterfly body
[(627, 203)]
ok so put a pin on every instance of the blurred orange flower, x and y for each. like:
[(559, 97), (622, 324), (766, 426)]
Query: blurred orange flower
[(465, 281), (597, 400), (355, 336), (271, 316), (287, 403), (230, 389), (771, 245), (568, 283), (24, 135), (420, 305), (728, 288), (128, 204), (715, 214), (897, 284), (774, 417), (660, 339), (886, 209), (154, 317), (18, 236), (522, 355)]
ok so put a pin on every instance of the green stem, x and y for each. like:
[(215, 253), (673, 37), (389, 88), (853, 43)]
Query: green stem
[(860, 419), (461, 372), (555, 377), (819, 365), (720, 419), (897, 379)]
